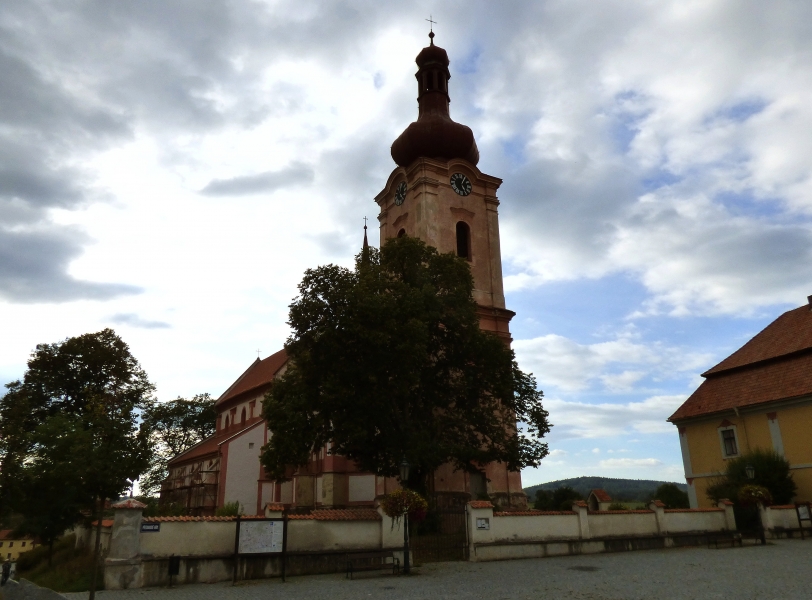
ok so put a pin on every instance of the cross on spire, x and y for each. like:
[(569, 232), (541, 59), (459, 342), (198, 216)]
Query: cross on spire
[(432, 23), (365, 222), (258, 351)]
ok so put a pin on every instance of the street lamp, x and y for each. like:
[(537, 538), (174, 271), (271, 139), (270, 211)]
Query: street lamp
[(404, 479), (750, 472)]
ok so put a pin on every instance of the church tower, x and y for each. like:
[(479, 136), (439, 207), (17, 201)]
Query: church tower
[(437, 194)]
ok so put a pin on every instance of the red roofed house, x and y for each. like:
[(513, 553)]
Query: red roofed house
[(598, 500), (437, 194), (758, 397)]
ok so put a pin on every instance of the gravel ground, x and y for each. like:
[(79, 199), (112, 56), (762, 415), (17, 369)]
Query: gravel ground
[(780, 570)]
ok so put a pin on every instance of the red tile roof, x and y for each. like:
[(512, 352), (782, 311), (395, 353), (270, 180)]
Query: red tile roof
[(481, 504), (129, 503), (791, 332), (208, 446), (259, 374), (775, 365), (105, 523), (602, 495), (790, 377)]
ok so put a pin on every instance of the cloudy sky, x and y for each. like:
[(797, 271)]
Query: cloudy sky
[(170, 169)]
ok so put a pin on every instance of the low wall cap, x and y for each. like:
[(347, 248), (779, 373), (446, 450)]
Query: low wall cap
[(481, 504), (129, 503)]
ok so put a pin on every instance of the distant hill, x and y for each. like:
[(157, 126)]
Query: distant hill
[(622, 490)]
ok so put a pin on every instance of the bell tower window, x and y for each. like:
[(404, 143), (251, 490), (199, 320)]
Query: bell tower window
[(401, 233), (463, 240)]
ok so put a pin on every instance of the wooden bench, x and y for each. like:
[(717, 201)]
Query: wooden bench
[(372, 561), (732, 538)]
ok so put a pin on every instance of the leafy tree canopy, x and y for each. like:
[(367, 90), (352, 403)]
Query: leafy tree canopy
[(673, 497), (72, 425), (387, 361), (174, 427), (558, 499), (771, 471)]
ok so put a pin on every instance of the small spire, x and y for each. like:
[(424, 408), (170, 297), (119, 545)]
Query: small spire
[(365, 248)]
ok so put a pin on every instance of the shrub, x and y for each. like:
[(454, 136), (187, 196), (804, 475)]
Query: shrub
[(771, 472), (229, 509), (617, 506), (402, 501)]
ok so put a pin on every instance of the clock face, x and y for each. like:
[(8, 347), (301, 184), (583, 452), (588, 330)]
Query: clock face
[(400, 193), (460, 184)]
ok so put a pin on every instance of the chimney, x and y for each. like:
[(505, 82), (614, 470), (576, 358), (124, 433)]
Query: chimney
[(810, 302)]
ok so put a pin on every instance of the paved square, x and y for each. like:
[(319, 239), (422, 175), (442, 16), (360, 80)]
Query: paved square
[(781, 570)]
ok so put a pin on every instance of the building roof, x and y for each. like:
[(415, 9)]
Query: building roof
[(789, 333), (211, 444), (259, 374), (775, 365), (602, 495), (8, 534)]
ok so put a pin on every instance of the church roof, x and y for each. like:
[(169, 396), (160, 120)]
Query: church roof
[(775, 365), (259, 374)]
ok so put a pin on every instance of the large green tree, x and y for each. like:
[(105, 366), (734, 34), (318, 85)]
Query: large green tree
[(387, 361), (73, 422), (174, 427)]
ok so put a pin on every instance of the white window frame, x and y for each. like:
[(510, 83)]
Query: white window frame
[(732, 428)]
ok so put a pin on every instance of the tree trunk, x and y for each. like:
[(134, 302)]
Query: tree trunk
[(97, 550)]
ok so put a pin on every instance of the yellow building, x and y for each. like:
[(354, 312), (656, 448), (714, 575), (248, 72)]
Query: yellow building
[(758, 397), (11, 546)]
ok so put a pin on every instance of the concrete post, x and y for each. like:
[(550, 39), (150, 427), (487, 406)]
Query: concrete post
[(480, 525), (766, 522), (730, 518), (122, 568), (580, 508), (274, 511), (659, 514)]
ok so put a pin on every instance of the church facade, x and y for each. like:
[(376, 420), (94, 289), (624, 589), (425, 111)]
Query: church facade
[(437, 194)]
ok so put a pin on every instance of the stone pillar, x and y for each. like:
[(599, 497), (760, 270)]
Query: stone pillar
[(274, 511), (659, 514), (122, 568), (730, 518), (580, 508), (766, 521), (480, 525)]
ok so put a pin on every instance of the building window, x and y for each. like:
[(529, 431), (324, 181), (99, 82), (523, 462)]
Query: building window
[(401, 233), (463, 240), (729, 445), (10, 544), (242, 417), (23, 544)]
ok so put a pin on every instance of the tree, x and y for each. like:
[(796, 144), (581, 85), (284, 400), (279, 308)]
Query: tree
[(560, 498), (387, 361), (673, 497), (72, 422), (771, 471), (174, 427)]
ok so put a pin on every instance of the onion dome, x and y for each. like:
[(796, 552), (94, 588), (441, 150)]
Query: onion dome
[(434, 134)]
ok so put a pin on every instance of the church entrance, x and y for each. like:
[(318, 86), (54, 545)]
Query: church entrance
[(443, 535)]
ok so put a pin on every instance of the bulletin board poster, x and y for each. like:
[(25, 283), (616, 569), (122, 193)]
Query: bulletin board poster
[(260, 537)]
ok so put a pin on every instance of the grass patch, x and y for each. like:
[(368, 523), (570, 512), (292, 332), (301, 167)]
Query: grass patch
[(71, 570)]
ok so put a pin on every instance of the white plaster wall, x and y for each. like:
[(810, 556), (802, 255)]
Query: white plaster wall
[(534, 528), (622, 524), (680, 522), (786, 518), (243, 469), (362, 488), (191, 538), (313, 535)]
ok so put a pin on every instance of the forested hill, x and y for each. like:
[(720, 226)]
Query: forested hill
[(622, 490)]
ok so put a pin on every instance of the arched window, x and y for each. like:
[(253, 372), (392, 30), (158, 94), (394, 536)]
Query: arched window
[(242, 417), (463, 240), (401, 233)]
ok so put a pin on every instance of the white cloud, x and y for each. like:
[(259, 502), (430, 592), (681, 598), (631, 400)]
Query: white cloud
[(582, 420), (567, 365), (614, 463)]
